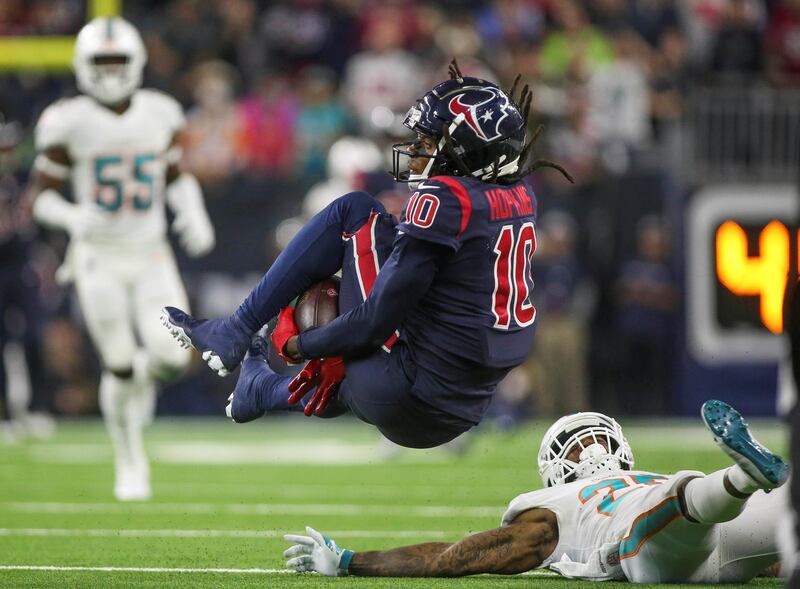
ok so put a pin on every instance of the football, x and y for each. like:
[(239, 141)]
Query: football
[(319, 305)]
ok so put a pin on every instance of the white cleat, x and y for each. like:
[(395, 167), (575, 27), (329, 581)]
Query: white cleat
[(177, 332), (213, 360), (215, 364), (133, 493), (228, 406), (40, 426), (132, 487)]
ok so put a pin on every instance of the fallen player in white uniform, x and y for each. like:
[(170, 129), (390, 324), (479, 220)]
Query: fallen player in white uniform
[(599, 519), (118, 146)]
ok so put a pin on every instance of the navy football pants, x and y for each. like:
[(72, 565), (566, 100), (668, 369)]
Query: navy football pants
[(355, 233)]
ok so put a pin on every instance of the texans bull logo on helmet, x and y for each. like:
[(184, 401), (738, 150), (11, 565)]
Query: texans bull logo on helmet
[(484, 120)]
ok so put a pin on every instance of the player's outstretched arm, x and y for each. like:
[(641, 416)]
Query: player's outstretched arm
[(508, 550), (185, 198)]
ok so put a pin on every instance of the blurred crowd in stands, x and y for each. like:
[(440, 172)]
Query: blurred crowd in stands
[(292, 103)]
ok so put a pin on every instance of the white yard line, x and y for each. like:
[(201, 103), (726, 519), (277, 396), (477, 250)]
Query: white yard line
[(315, 488), (316, 509), (171, 533), (113, 569), (323, 451)]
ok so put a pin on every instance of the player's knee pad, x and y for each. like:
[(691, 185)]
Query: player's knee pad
[(354, 207), (114, 340), (117, 355), (117, 360), (357, 201)]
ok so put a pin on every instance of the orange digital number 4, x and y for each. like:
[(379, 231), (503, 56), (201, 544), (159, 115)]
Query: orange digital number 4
[(763, 275)]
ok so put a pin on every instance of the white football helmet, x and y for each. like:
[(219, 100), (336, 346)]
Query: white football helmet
[(602, 443), (109, 37)]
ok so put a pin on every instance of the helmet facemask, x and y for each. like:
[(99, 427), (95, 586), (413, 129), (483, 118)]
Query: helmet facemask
[(437, 161), (598, 438), (109, 60), (111, 78)]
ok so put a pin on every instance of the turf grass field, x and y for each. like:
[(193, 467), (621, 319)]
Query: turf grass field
[(224, 495)]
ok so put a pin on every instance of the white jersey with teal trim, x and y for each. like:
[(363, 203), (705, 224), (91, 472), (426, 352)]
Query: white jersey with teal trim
[(118, 161), (601, 519)]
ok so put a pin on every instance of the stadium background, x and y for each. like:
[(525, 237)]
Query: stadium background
[(677, 117), (654, 105)]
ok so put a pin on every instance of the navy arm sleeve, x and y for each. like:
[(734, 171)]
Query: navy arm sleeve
[(402, 281)]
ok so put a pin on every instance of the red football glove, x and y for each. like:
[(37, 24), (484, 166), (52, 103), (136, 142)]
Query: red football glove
[(284, 329), (326, 374)]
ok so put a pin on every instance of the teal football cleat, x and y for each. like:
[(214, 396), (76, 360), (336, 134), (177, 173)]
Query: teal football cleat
[(732, 435)]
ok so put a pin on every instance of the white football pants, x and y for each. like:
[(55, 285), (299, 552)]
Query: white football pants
[(728, 552), (121, 293)]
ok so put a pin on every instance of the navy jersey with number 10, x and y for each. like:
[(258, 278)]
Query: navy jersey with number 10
[(476, 321)]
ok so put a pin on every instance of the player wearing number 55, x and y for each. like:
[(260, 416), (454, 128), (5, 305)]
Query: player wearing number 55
[(118, 146), (599, 519), (435, 310)]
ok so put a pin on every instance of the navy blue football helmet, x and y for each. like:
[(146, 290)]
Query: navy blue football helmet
[(478, 130)]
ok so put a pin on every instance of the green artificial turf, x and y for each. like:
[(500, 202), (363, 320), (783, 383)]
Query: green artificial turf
[(224, 495)]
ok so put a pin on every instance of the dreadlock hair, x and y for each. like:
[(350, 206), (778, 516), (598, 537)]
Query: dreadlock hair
[(455, 71), (523, 103)]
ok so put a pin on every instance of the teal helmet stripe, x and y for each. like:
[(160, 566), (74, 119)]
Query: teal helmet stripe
[(110, 29), (649, 524)]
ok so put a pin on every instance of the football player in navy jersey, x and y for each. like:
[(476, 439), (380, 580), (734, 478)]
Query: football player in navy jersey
[(435, 310)]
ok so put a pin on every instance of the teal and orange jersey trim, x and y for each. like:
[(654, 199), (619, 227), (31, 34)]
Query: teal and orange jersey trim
[(648, 524), (610, 502)]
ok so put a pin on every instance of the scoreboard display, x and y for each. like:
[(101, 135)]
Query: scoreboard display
[(742, 244)]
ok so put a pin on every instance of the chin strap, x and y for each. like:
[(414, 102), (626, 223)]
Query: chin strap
[(504, 170), (414, 179)]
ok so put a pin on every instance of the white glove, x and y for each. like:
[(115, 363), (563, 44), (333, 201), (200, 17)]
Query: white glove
[(316, 552), (83, 221), (53, 210), (65, 273), (196, 235), (191, 224)]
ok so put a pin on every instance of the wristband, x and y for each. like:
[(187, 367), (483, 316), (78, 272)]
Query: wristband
[(344, 562), (54, 169)]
